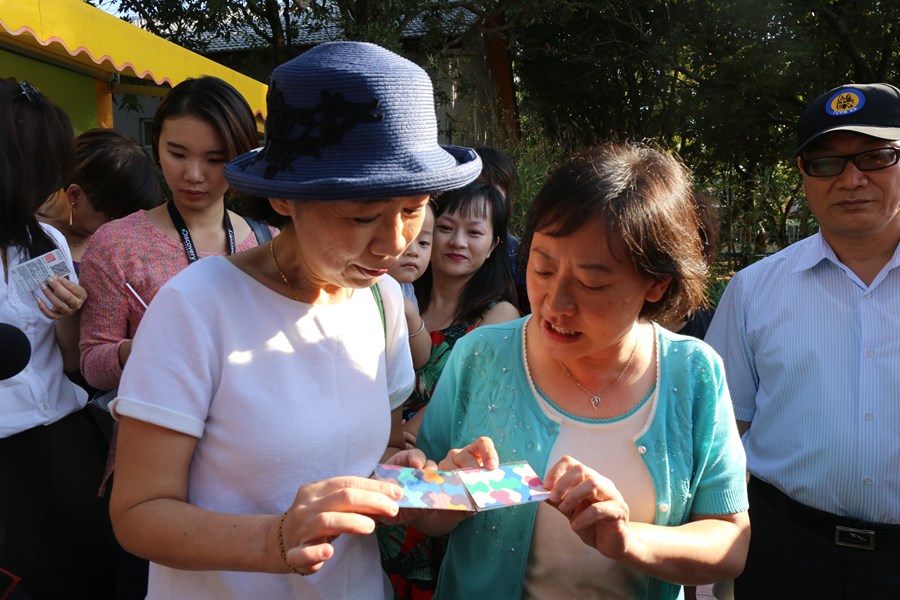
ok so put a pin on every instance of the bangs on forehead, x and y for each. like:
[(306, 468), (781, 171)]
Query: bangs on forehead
[(467, 206), (560, 219)]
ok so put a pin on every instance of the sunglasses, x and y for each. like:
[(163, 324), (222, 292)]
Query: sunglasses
[(870, 160)]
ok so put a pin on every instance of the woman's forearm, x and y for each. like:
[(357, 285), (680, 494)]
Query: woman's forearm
[(696, 553), (179, 535)]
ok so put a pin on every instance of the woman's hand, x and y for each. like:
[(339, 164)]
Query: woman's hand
[(325, 509), (593, 505), (479, 454), (412, 457), (411, 427), (124, 352), (410, 439), (66, 298), (408, 458)]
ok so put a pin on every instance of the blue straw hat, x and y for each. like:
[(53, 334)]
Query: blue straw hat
[(351, 121)]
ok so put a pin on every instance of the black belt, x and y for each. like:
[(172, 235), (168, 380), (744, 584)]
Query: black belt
[(843, 531)]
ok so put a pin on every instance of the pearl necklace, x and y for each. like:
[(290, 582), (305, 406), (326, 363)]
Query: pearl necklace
[(597, 398)]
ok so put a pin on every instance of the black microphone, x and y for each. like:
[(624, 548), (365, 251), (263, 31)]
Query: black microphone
[(15, 351)]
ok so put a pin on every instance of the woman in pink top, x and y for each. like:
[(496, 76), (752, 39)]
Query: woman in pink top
[(201, 124)]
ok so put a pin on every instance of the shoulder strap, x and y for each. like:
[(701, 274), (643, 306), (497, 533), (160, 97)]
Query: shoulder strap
[(260, 229), (377, 294)]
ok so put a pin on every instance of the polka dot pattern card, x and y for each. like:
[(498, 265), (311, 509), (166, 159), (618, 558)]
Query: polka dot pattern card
[(427, 488), (509, 485), (465, 489)]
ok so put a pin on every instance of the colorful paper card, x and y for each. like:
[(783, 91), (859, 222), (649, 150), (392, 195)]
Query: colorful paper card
[(466, 489), (427, 488), (511, 484)]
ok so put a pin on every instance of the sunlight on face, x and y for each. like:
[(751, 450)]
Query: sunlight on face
[(417, 255), (462, 242), (853, 205), (584, 295), (350, 244)]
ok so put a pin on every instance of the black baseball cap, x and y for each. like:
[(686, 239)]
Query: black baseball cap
[(871, 109)]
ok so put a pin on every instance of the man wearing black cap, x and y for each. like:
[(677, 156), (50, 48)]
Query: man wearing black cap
[(810, 338)]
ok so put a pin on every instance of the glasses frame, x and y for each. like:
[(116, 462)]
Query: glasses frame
[(846, 158)]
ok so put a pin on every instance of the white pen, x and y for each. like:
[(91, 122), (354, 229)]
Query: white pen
[(135, 294)]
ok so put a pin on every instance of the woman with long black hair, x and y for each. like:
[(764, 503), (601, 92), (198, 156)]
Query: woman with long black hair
[(51, 456)]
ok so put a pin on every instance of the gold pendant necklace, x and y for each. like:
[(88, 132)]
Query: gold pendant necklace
[(597, 398), (283, 276)]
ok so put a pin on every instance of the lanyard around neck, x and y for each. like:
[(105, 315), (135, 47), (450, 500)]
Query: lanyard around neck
[(187, 242)]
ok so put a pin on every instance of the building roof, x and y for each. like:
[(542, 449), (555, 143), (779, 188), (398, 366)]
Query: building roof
[(241, 35)]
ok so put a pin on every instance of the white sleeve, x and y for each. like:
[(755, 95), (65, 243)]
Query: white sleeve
[(398, 360), (170, 376)]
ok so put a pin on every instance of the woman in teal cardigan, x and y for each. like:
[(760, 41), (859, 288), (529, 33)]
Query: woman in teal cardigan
[(630, 425)]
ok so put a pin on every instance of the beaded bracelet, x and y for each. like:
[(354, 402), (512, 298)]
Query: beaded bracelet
[(419, 330), (281, 547)]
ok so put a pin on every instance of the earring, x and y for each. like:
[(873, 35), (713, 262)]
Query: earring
[(71, 214)]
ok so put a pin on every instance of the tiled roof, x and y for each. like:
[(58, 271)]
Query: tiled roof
[(242, 36)]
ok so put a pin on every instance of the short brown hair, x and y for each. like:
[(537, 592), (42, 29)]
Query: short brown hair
[(644, 196), (115, 173)]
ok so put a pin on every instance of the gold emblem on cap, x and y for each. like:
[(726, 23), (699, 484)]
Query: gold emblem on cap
[(844, 102)]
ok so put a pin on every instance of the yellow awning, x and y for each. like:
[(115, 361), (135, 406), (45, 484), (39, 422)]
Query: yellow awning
[(77, 33)]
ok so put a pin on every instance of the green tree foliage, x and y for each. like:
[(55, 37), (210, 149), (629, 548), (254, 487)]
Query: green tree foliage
[(276, 24), (719, 82)]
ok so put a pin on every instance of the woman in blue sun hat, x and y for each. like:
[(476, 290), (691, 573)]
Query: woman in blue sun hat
[(265, 386)]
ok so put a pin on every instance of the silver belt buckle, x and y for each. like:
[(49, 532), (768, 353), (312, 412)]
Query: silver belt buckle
[(854, 538)]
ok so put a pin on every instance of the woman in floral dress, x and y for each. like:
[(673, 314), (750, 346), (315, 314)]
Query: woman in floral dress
[(467, 284)]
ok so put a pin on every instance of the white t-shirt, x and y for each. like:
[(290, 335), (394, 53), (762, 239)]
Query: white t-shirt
[(279, 393), (560, 565)]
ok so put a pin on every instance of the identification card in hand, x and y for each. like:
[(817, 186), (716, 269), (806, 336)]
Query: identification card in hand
[(32, 273), (465, 489)]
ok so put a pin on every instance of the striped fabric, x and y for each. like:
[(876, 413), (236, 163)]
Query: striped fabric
[(812, 357)]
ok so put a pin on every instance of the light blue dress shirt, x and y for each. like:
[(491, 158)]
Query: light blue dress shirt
[(812, 359)]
